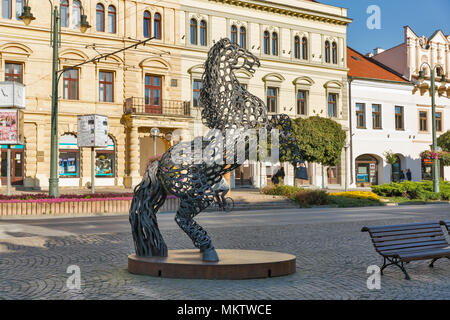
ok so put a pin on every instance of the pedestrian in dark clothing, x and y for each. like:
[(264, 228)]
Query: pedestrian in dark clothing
[(402, 176), (278, 176), (408, 175)]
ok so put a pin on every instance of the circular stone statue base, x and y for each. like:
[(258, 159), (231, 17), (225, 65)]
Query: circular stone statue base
[(233, 265)]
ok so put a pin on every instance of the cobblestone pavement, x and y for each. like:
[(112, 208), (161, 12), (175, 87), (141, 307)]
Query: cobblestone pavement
[(332, 259)]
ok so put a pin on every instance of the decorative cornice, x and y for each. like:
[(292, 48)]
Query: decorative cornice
[(289, 11)]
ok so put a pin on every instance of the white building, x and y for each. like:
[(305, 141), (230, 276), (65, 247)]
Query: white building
[(386, 115)]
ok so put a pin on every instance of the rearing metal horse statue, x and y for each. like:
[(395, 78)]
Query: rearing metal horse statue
[(227, 106)]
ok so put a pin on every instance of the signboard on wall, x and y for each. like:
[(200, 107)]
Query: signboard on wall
[(11, 126), (92, 131), (12, 95)]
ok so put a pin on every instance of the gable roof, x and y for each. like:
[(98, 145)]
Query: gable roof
[(361, 66)]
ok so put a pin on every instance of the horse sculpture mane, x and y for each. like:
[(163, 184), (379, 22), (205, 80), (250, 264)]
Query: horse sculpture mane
[(227, 105)]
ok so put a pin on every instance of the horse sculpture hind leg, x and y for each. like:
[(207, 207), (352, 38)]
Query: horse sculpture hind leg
[(185, 220)]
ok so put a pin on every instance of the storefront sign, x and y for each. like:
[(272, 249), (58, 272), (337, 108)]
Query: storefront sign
[(12, 95), (92, 131), (11, 126)]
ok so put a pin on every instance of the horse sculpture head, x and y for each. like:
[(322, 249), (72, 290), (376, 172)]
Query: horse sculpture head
[(226, 103)]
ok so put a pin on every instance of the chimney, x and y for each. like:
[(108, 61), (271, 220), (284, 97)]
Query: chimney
[(378, 51)]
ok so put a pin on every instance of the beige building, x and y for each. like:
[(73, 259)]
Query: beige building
[(301, 44)]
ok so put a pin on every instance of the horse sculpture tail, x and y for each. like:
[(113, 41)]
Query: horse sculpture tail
[(148, 197)]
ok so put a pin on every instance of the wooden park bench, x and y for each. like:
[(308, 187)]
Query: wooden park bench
[(403, 243)]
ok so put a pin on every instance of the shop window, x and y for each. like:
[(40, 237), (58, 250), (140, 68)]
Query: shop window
[(69, 157), (105, 160)]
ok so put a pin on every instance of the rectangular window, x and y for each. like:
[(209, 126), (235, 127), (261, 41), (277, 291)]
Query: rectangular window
[(301, 102), (106, 87), (376, 116), (14, 72), (70, 85), (332, 105), (361, 115), (399, 121), (196, 86), (272, 94), (423, 121), (439, 121)]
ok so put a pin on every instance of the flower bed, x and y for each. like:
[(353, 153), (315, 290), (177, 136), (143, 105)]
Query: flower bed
[(307, 198), (42, 204)]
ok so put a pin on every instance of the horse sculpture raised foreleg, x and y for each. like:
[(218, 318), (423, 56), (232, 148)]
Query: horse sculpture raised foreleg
[(185, 220)]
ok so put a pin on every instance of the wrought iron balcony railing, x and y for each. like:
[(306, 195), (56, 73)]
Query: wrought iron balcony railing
[(137, 105)]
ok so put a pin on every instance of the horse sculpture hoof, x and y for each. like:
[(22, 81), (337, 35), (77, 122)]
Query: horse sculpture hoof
[(210, 255)]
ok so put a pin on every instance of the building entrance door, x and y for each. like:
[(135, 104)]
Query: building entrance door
[(366, 171), (17, 159)]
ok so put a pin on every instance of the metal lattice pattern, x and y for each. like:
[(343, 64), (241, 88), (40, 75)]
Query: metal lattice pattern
[(226, 105)]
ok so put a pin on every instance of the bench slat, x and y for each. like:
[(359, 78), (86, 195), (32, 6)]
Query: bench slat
[(446, 223), (429, 254), (404, 227), (409, 250), (407, 237), (414, 245), (395, 233), (408, 241)]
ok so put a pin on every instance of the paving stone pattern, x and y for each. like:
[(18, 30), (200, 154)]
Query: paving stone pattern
[(331, 264)]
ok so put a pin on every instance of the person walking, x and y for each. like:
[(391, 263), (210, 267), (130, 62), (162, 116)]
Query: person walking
[(278, 177), (402, 176), (408, 174)]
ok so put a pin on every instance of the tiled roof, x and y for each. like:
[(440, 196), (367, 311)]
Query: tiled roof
[(363, 67)]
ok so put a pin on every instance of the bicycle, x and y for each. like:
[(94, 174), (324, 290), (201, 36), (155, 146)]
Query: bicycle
[(227, 207)]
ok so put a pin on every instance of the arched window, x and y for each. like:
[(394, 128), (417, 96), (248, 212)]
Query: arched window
[(327, 51), (334, 53), (147, 24), (304, 48), (100, 17), (266, 42), (274, 43), (233, 34), (194, 31), (6, 9), (297, 47), (64, 13), (157, 26), (76, 14), (111, 19), (19, 8), (203, 33), (439, 72), (243, 37)]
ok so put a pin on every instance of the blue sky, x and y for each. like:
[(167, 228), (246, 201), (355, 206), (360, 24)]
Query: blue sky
[(424, 17)]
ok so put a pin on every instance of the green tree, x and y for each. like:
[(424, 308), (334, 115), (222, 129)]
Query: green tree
[(391, 158), (444, 141), (320, 140)]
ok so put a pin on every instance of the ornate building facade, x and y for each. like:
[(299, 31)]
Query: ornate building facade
[(301, 44)]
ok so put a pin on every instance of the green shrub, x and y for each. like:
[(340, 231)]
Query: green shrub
[(413, 190), (281, 190), (308, 198)]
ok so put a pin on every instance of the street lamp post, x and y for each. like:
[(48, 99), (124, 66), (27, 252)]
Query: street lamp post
[(27, 17), (435, 171)]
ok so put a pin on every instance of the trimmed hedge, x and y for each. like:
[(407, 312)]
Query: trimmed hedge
[(414, 190)]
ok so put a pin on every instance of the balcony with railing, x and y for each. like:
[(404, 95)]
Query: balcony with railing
[(138, 106)]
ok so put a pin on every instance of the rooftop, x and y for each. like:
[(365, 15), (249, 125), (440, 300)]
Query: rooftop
[(361, 66)]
